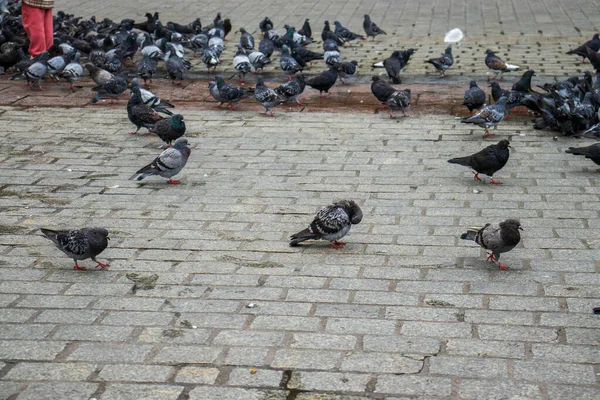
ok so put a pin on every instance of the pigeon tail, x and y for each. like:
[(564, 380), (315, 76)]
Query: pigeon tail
[(466, 161), (50, 234), (301, 237), (510, 67)]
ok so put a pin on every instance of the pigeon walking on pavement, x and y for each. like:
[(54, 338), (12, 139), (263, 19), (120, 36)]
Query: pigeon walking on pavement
[(242, 64), (474, 97), (498, 65), (498, 238), (581, 51), (444, 62), (331, 223), (287, 63), (292, 89), (488, 116), (169, 163), (228, 93), (267, 96), (324, 81), (80, 244), (371, 28), (487, 161), (399, 100), (112, 89), (592, 152), (168, 129), (139, 113), (36, 71), (346, 69)]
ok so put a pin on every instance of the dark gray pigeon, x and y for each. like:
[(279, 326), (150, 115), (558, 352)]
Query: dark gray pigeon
[(393, 66), (246, 40), (324, 81), (228, 93), (381, 89), (331, 223), (292, 89), (287, 63), (474, 97), (488, 116), (487, 161), (176, 66), (169, 129), (444, 62), (36, 71), (498, 238), (346, 34), (498, 65), (80, 244), (112, 89), (592, 152), (346, 69), (169, 163), (98, 75), (72, 71), (267, 96), (146, 68), (139, 113), (371, 28), (242, 64), (581, 51), (399, 100)]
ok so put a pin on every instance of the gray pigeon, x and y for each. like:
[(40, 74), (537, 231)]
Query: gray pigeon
[(98, 75), (176, 66), (498, 65), (267, 96), (113, 88), (292, 89), (592, 152), (331, 223), (487, 161), (371, 29), (444, 62), (287, 63), (241, 63), (169, 163), (399, 100), (36, 71), (80, 244), (246, 40), (168, 129), (72, 71), (488, 116), (498, 238)]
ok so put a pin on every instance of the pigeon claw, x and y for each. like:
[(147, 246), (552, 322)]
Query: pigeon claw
[(102, 265), (503, 267), (337, 245), (487, 133), (494, 182), (476, 176), (78, 268), (491, 257), (173, 182)]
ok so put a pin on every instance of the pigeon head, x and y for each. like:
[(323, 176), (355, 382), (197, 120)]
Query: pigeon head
[(375, 78), (367, 17), (99, 233), (354, 62), (177, 119), (353, 210), (220, 80), (181, 143), (490, 52), (596, 37), (242, 30), (503, 144), (514, 223), (337, 23), (449, 49), (529, 73), (472, 84), (260, 81)]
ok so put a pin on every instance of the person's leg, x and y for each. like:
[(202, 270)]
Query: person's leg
[(48, 28), (33, 23)]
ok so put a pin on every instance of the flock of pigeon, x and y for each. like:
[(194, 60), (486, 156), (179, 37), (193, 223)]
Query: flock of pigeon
[(569, 106)]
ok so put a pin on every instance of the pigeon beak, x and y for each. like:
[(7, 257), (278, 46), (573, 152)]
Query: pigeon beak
[(108, 238), (520, 228)]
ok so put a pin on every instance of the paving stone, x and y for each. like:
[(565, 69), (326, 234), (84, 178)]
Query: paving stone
[(92, 333), (485, 348), (30, 349), (497, 390), (135, 373), (565, 353), (249, 377), (7, 389), (218, 393), (413, 385), (187, 354), (68, 316), (360, 326), (42, 371), (556, 392), (117, 391), (198, 375), (59, 390), (305, 359), (109, 352), (437, 329), (521, 333), (254, 356), (558, 373), (328, 381), (469, 367), (381, 363), (248, 338)]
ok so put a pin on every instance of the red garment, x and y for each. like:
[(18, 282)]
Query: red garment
[(37, 23)]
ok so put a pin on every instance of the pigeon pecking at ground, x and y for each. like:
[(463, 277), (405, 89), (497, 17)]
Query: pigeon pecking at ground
[(169, 163), (113, 88), (497, 65), (474, 97), (331, 223), (592, 152), (488, 116), (498, 238), (80, 244), (487, 161), (444, 62)]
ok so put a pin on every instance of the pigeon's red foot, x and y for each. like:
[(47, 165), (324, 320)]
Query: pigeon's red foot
[(78, 268), (173, 182), (476, 176), (102, 265), (487, 133), (494, 182), (491, 257), (133, 133), (230, 106), (502, 266), (337, 245)]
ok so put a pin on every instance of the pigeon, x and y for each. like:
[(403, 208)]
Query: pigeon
[(324, 81), (58, 63), (113, 88), (146, 68), (98, 75), (168, 129), (474, 97), (393, 66), (36, 71), (267, 47), (594, 58), (9, 56), (592, 152), (331, 53), (487, 161), (210, 57), (581, 51), (139, 113), (292, 89), (346, 69), (444, 62), (258, 60), (331, 223), (72, 71), (287, 63), (371, 29), (149, 49), (328, 34), (231, 94), (169, 163), (265, 25), (306, 29), (399, 100), (496, 64), (80, 244), (346, 34), (241, 63), (176, 66), (155, 102), (307, 56), (488, 116), (498, 238), (524, 84), (381, 89), (246, 40), (266, 96)]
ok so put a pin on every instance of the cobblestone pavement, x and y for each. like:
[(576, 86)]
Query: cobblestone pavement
[(405, 311)]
